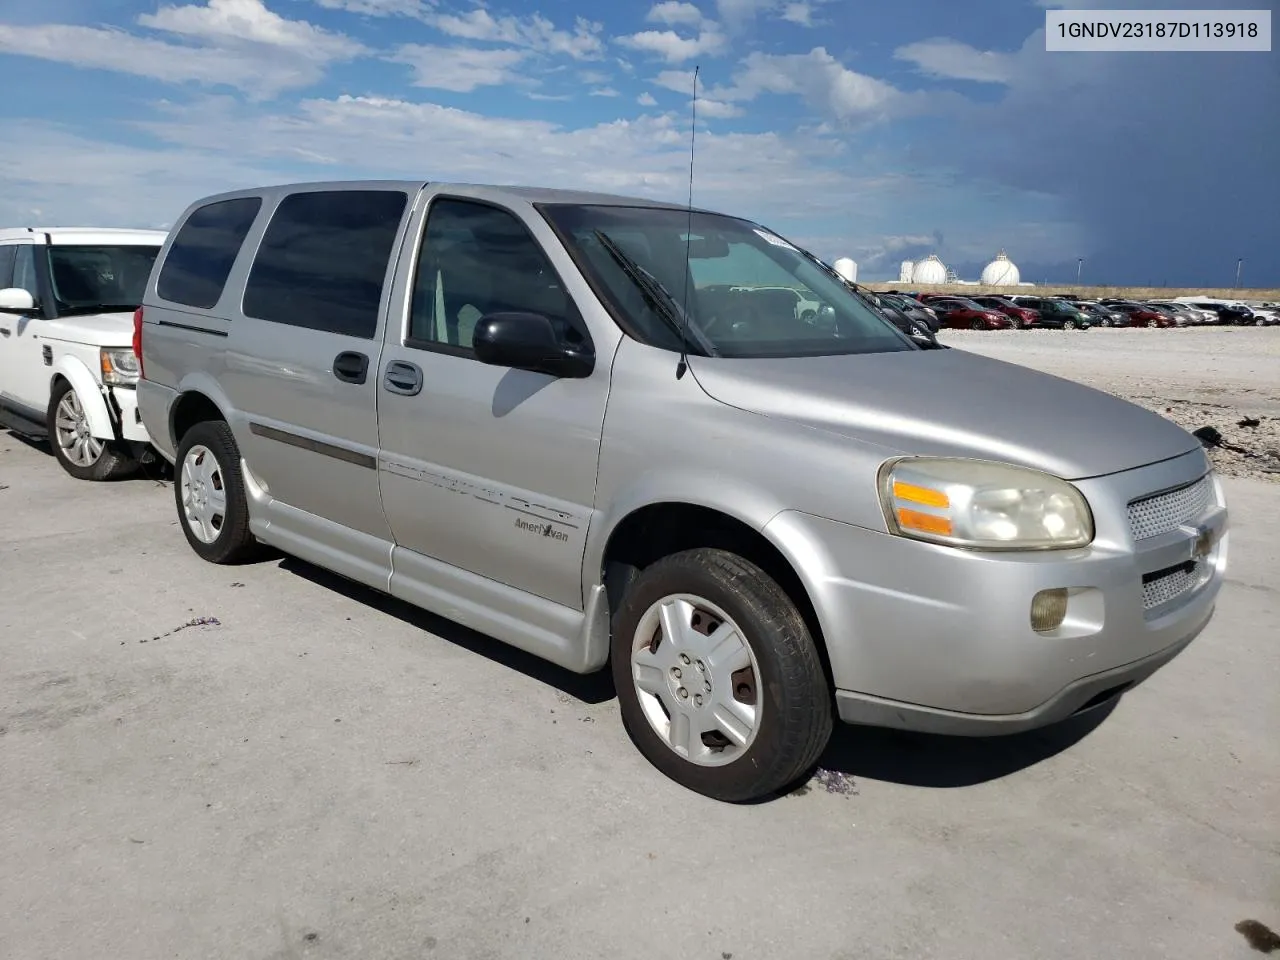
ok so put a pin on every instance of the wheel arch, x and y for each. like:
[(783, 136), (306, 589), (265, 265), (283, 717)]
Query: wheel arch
[(659, 528), (198, 399), (76, 372)]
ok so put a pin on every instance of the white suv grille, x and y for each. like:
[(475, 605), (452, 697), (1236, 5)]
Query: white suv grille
[(1152, 516)]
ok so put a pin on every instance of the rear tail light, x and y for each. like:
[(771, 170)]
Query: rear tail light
[(137, 341)]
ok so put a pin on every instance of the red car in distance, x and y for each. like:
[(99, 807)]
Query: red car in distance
[(963, 314), (1141, 315), (1024, 318)]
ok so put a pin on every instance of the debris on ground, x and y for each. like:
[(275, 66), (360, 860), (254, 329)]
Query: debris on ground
[(836, 782), (1249, 422), (1259, 936), (193, 622)]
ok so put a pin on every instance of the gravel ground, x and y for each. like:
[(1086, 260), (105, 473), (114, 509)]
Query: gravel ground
[(1227, 378)]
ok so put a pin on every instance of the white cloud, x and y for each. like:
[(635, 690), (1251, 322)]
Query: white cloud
[(460, 69), (737, 12), (238, 43), (953, 60), (646, 100), (239, 21), (681, 81), (605, 92), (798, 13), (674, 12), (717, 109), (674, 48), (826, 84), (247, 69), (377, 8), (535, 32)]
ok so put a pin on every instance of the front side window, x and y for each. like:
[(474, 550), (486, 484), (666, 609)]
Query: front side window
[(745, 292), (202, 254), (24, 270), (94, 279), (7, 253), (323, 261), (475, 260)]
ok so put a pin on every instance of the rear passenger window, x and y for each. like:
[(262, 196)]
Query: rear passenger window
[(6, 266), (323, 260), (202, 254), (476, 260)]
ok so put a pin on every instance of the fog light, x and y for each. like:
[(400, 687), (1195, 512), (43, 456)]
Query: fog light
[(1048, 609)]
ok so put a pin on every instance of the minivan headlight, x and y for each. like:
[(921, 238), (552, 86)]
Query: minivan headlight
[(983, 505), (119, 365)]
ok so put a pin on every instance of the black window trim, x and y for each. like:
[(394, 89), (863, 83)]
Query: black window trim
[(468, 353), (393, 257)]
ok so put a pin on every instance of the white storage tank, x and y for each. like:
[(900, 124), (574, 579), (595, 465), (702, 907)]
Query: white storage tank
[(1001, 272), (847, 269), (904, 275), (930, 270)]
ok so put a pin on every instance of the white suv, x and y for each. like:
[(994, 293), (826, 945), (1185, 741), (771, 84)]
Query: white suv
[(67, 368)]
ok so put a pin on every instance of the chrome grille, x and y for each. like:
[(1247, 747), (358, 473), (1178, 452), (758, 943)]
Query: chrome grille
[(1172, 583), (1152, 516)]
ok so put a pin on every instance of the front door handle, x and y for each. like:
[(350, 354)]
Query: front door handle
[(403, 378), (351, 367)]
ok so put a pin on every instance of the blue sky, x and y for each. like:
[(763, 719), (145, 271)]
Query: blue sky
[(878, 131)]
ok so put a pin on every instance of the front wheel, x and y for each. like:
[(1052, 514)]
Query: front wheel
[(719, 681), (1069, 325), (76, 449), (209, 490), (977, 325)]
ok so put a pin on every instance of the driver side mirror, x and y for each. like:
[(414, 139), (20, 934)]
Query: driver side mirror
[(528, 341), (17, 300)]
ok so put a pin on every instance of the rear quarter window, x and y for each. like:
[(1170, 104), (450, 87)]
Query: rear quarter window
[(323, 260), (202, 254)]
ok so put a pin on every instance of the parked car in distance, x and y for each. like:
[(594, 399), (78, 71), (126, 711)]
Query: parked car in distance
[(1183, 314), (67, 367), (1100, 315), (1142, 315), (1023, 317), (1228, 311), (963, 313), (1056, 314), (1265, 314), (492, 403), (914, 310)]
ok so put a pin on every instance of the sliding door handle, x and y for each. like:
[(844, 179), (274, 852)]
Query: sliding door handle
[(351, 367), (403, 378)]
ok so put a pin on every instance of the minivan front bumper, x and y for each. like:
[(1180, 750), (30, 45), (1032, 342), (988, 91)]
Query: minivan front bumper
[(938, 639)]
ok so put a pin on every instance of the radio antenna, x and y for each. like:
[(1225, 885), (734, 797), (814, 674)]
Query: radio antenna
[(683, 366)]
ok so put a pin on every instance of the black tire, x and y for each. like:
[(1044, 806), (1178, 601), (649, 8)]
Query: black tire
[(233, 543), (1069, 325), (113, 463), (977, 325), (796, 720)]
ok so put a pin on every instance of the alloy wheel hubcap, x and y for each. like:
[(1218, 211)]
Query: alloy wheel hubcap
[(697, 680), (74, 438), (204, 495)]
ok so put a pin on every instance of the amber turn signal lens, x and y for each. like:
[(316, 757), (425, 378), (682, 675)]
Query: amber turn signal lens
[(912, 493), (924, 522)]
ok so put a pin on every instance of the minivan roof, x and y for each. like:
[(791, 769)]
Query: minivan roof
[(497, 192)]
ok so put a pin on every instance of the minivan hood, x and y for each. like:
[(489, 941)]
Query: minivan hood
[(951, 403), (113, 329)]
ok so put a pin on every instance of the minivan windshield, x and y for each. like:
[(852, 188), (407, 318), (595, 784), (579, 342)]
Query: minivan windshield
[(97, 278), (746, 293)]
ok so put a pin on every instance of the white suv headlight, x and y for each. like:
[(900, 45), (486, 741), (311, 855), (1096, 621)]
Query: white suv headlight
[(119, 366), (983, 505)]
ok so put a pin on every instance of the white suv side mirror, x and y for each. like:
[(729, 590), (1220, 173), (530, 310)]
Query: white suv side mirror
[(17, 300)]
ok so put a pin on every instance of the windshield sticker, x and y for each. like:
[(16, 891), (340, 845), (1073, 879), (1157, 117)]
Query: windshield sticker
[(777, 241)]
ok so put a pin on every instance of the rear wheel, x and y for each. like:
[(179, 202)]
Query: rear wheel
[(209, 490), (719, 681), (76, 449)]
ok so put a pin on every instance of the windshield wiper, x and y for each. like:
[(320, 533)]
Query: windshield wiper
[(655, 294), (65, 310)]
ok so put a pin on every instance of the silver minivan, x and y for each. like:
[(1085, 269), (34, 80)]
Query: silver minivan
[(600, 430)]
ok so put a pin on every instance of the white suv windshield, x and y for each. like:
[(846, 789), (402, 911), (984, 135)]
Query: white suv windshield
[(95, 278), (749, 293)]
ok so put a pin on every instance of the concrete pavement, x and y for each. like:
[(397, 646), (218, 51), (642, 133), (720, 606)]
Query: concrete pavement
[(317, 772)]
